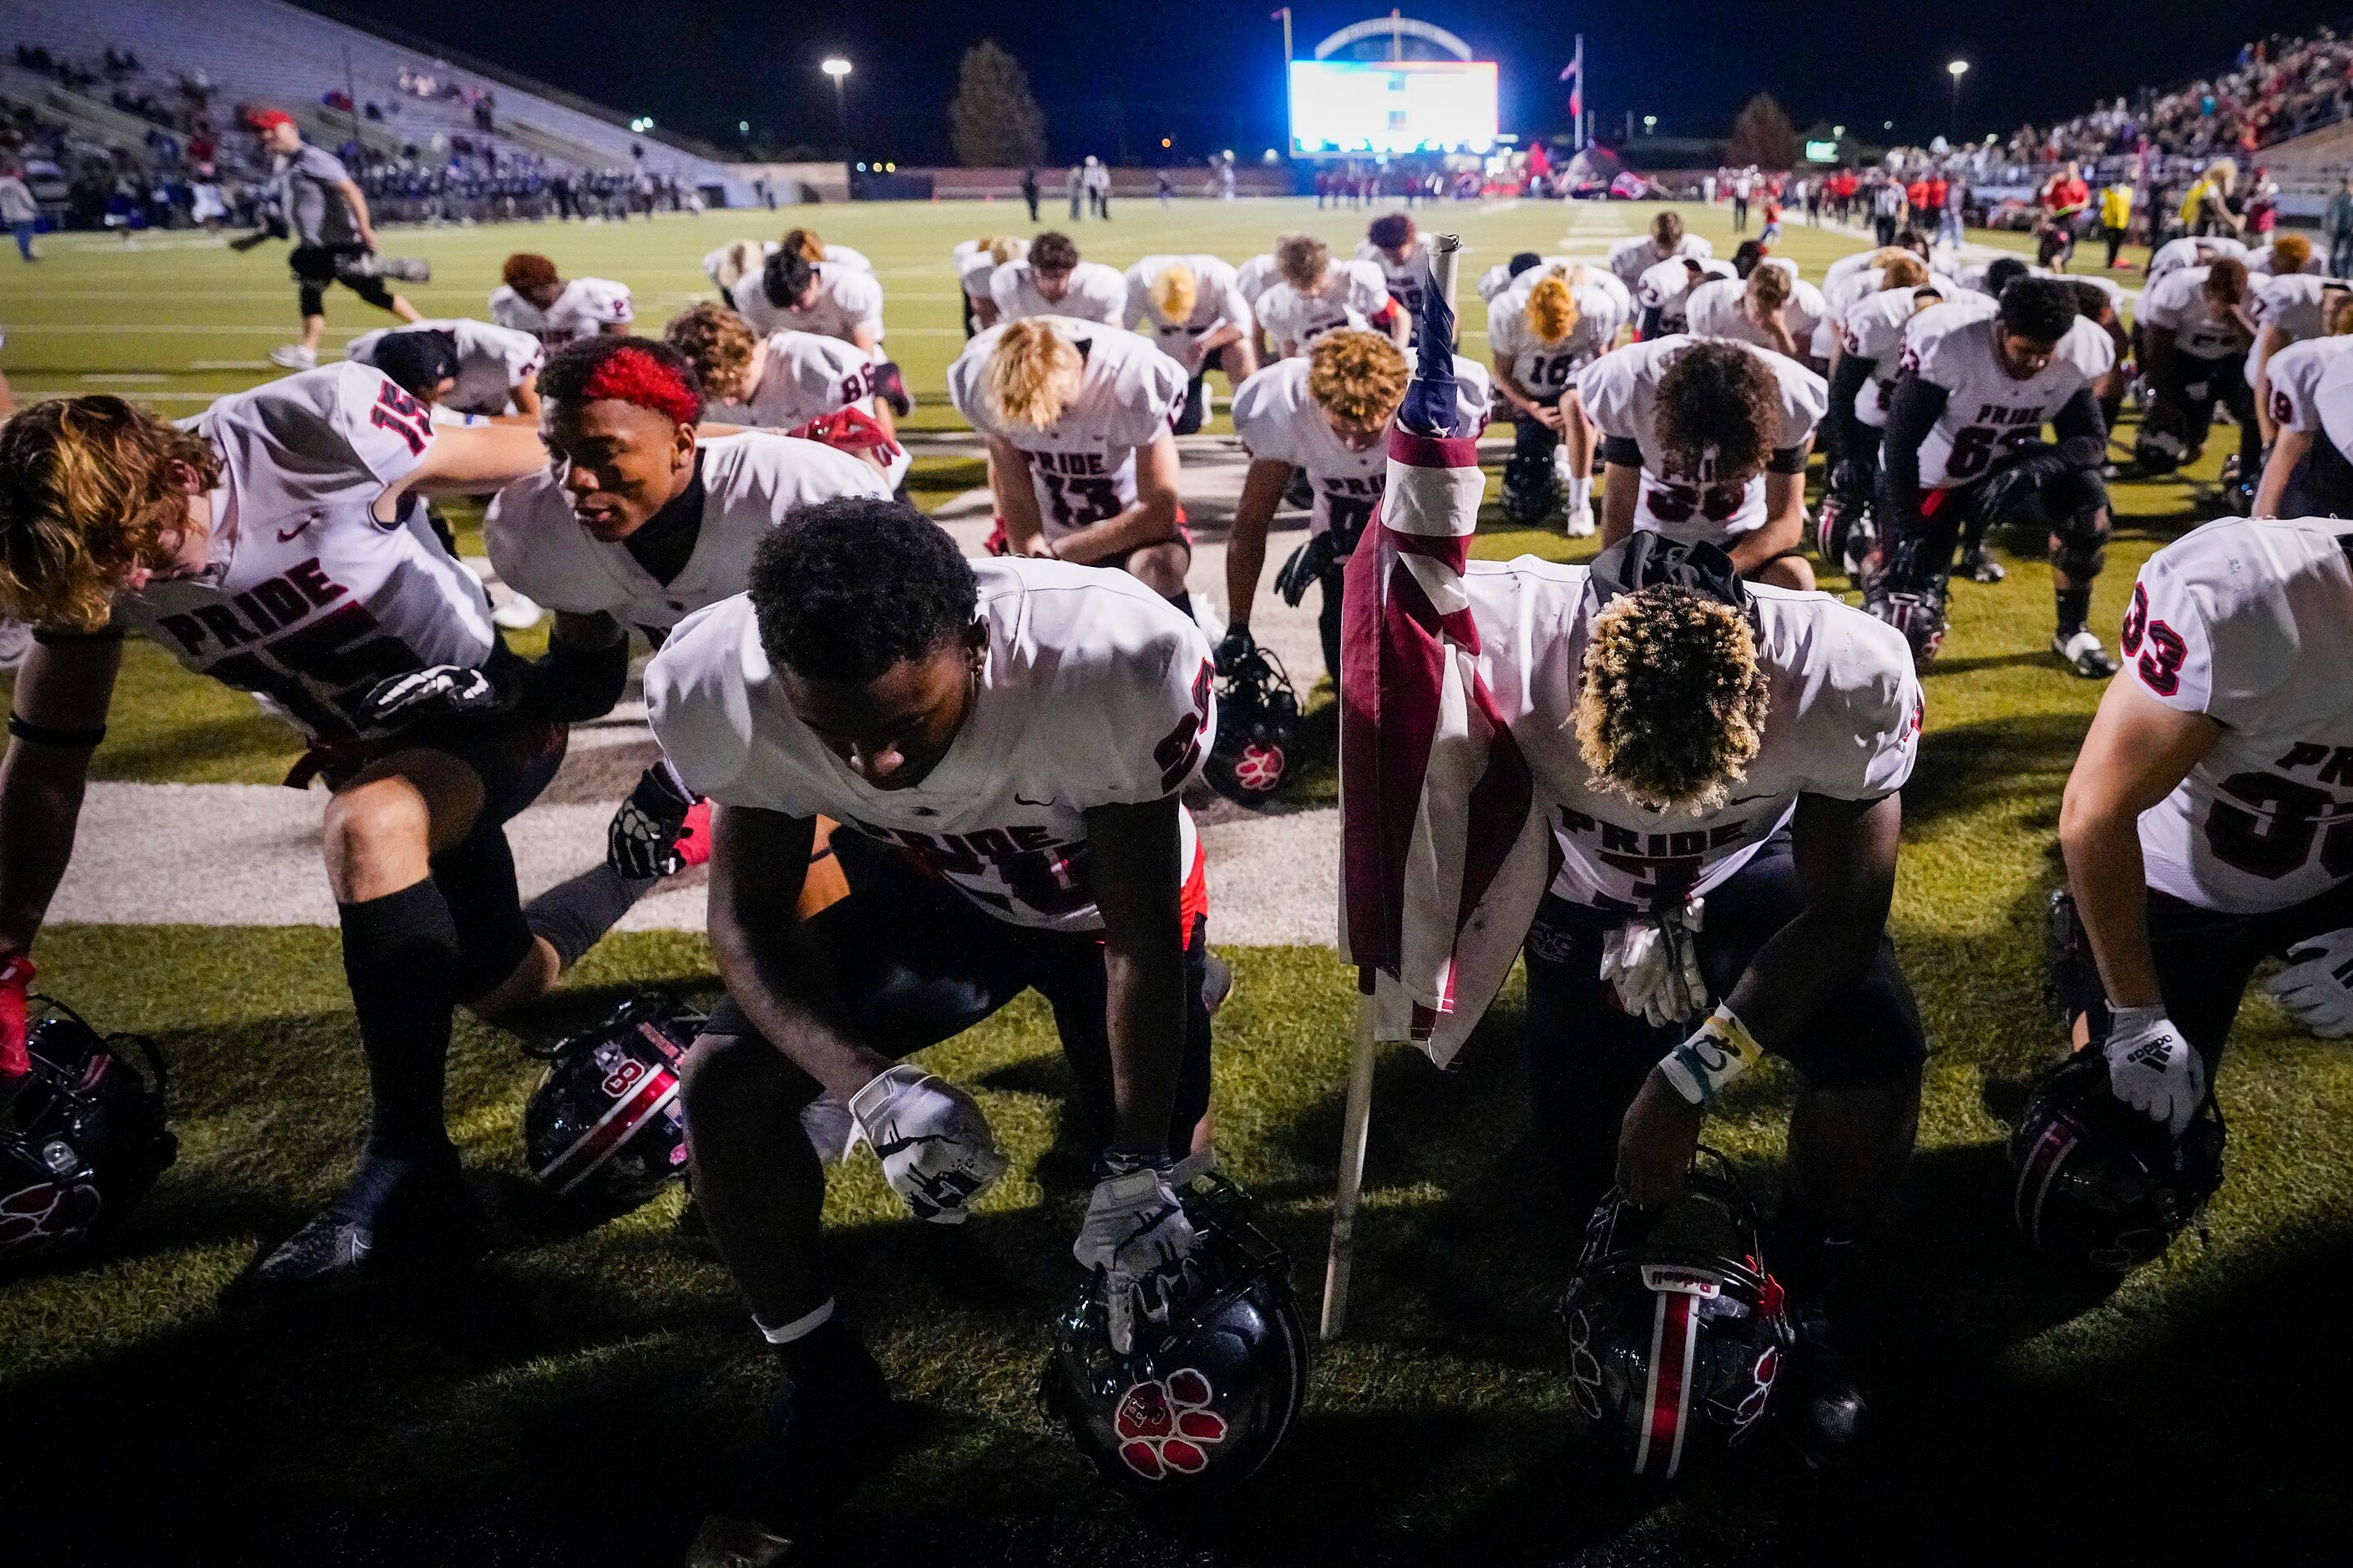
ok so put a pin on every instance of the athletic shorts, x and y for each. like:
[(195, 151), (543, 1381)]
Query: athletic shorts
[(916, 963)]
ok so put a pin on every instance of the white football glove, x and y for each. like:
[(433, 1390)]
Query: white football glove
[(1134, 1229), (936, 1149), (455, 689), (2152, 1068), (1652, 964), (2317, 988)]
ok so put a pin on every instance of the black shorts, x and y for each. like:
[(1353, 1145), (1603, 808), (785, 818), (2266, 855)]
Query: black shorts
[(2204, 959), (316, 266), (916, 962)]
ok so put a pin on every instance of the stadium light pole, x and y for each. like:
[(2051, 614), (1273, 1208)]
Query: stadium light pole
[(1958, 69), (838, 70)]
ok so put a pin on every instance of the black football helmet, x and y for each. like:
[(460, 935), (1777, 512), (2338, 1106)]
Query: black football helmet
[(2099, 1187), (1206, 1393), (1256, 748), (604, 1128), (85, 1139), (1676, 1328)]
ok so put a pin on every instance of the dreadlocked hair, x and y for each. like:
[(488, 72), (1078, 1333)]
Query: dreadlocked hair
[(1718, 401), (1033, 374), (1551, 309), (1671, 708), (89, 487), (1175, 291), (1361, 376), (640, 371), (718, 343)]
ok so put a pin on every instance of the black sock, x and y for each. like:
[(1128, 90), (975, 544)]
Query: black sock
[(2074, 608), (400, 956), (571, 915), (1808, 1259), (1183, 599)]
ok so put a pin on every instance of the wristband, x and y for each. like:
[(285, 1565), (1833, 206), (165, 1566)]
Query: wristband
[(1719, 1050)]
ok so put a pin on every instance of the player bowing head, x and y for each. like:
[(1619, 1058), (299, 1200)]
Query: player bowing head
[(1194, 309), (275, 542), (464, 370), (1671, 710), (1004, 743), (1052, 280), (534, 297), (1312, 295), (1540, 335), (783, 381), (1706, 439), (1078, 422), (1328, 417)]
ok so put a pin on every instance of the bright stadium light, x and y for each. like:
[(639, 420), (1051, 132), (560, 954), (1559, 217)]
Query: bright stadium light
[(1649, 123), (1958, 68), (835, 68)]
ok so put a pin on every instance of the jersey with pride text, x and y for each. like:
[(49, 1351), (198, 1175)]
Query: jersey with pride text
[(1218, 303), (847, 300), (1988, 413), (1278, 422), (2201, 329), (1094, 691), (751, 482), (1082, 466), (2250, 621), (1352, 295), (1620, 391), (309, 600), (492, 361), (1095, 293), (1545, 369), (1842, 719), (587, 307)]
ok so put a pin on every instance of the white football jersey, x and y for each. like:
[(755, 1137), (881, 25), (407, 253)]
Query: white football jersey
[(801, 377), (2250, 621), (1082, 466), (1495, 280), (1847, 266), (1406, 279), (2200, 329), (1666, 287), (2292, 303), (2298, 372), (1877, 327), (1254, 277), (751, 481), (1094, 691), (976, 264), (492, 361), (1547, 369), (1842, 719), (2332, 399), (1712, 310), (1217, 302), (1988, 413), (2262, 263), (1629, 258), (1278, 422), (842, 256), (1619, 392), (309, 601), (2192, 252), (1353, 294), (585, 307), (1095, 293), (847, 300)]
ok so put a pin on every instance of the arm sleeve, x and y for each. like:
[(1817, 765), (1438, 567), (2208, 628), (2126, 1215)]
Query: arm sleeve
[(2080, 417), (1914, 408), (571, 685)]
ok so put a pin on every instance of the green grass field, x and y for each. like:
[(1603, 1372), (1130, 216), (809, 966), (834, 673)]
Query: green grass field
[(566, 1402)]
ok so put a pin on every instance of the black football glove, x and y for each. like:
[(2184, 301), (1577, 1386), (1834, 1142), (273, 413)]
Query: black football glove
[(891, 388), (1234, 649), (642, 841), (1306, 567), (440, 690)]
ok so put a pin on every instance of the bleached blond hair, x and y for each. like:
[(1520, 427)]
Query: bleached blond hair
[(1033, 374)]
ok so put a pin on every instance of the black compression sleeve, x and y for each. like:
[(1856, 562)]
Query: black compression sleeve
[(1787, 459), (1847, 383), (574, 684), (1912, 408), (2080, 416)]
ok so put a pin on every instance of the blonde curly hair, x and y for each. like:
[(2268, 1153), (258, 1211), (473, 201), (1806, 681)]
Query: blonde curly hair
[(89, 488), (1033, 374), (1670, 707), (718, 343), (1360, 376), (1175, 291), (1551, 310)]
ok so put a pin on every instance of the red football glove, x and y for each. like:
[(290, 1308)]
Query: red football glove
[(16, 971), (693, 845)]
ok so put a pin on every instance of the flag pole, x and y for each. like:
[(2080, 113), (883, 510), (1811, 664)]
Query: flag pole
[(1357, 1114)]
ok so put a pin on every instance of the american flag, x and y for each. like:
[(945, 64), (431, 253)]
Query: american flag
[(1435, 794)]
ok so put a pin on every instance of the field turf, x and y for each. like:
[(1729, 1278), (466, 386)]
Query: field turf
[(567, 1402)]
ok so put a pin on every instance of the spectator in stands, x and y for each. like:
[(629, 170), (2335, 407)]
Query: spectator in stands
[(333, 240), (18, 210)]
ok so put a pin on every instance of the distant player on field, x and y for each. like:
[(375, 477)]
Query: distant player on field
[(334, 241)]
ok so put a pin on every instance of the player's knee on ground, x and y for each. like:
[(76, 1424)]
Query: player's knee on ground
[(2079, 539), (1786, 571), (1161, 567), (373, 830)]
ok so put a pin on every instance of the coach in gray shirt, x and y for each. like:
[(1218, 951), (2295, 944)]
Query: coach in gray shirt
[(332, 239)]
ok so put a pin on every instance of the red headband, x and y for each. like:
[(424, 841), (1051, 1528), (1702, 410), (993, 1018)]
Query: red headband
[(633, 376)]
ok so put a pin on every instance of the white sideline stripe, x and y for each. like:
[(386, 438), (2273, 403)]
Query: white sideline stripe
[(248, 855)]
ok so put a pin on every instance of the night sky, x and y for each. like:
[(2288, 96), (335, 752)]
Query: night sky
[(1115, 78)]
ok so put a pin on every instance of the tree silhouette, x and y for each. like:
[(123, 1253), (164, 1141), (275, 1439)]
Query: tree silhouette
[(1762, 135), (993, 122)]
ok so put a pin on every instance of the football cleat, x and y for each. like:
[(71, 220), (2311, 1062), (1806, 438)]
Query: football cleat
[(1216, 1373), (1257, 746), (2098, 1188), (604, 1130), (2080, 651), (1982, 567), (1578, 523), (82, 1138), (396, 1212), (1820, 1408), (1677, 1329), (825, 1418), (294, 356)]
